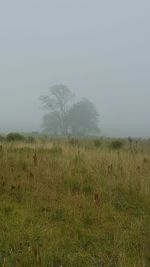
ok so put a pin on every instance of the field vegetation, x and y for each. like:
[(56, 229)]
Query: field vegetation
[(74, 203)]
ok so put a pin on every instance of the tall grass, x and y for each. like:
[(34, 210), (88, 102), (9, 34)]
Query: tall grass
[(75, 203)]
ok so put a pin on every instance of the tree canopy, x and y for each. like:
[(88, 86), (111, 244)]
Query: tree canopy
[(83, 118)]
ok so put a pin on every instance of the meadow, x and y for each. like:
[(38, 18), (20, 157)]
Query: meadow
[(75, 203)]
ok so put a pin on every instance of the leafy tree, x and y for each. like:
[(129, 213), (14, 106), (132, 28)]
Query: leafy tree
[(83, 118), (57, 103)]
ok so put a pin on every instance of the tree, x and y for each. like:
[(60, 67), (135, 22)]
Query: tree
[(79, 119), (57, 103), (83, 118), (51, 124)]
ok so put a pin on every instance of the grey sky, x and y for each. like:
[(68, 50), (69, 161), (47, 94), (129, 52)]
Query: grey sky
[(100, 49)]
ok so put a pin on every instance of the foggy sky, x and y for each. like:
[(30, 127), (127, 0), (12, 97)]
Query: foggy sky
[(99, 48)]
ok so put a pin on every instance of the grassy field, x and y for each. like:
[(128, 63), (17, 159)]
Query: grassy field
[(74, 203)]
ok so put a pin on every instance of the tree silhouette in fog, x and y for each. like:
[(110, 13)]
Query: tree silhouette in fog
[(63, 117)]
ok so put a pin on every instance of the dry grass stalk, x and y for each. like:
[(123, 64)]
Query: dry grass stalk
[(35, 159), (37, 256), (4, 263)]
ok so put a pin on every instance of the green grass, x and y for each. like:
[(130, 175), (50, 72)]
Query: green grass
[(74, 205)]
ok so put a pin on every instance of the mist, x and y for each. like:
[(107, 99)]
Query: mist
[(99, 49)]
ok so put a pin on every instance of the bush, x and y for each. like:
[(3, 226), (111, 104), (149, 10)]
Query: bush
[(2, 138), (11, 137), (97, 143), (30, 139), (117, 144)]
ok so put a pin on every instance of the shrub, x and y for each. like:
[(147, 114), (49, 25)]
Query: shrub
[(2, 138), (30, 139), (97, 143), (11, 137), (117, 144)]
